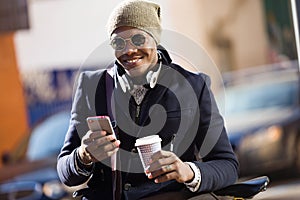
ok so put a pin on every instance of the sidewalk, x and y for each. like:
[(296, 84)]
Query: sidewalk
[(289, 191)]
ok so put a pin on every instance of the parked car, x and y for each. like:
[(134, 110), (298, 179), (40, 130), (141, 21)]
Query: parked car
[(262, 115), (34, 177)]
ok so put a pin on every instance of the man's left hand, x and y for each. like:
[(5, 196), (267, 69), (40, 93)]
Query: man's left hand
[(167, 166)]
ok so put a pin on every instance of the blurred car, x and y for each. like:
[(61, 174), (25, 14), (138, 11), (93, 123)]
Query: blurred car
[(262, 115), (34, 177)]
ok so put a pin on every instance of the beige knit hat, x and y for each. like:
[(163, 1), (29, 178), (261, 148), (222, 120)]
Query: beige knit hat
[(141, 14)]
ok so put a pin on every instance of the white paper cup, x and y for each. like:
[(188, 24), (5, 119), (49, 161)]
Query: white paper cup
[(146, 147)]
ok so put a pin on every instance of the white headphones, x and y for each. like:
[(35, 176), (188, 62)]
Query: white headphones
[(151, 78), (123, 82)]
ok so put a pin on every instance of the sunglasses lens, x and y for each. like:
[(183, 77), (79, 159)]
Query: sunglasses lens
[(118, 43), (138, 40)]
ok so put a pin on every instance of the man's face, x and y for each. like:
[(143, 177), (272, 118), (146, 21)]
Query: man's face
[(135, 50)]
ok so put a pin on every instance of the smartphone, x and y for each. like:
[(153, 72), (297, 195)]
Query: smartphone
[(99, 123)]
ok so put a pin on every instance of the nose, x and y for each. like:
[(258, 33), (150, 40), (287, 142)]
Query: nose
[(129, 48)]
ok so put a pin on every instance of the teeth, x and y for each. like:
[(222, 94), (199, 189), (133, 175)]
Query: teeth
[(132, 61)]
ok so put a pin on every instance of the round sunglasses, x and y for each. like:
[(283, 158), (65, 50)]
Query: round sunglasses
[(119, 43)]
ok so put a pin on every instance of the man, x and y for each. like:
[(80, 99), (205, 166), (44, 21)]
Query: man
[(146, 94)]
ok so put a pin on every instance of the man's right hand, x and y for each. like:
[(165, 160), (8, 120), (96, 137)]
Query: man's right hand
[(97, 146)]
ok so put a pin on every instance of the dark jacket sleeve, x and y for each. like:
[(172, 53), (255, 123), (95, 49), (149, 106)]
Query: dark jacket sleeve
[(66, 160), (83, 106), (218, 165)]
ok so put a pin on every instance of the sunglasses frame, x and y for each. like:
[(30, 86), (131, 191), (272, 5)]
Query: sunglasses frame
[(128, 39)]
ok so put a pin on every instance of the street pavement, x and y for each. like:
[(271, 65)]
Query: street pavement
[(281, 190)]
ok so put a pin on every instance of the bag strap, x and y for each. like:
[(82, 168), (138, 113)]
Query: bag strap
[(109, 84), (116, 175)]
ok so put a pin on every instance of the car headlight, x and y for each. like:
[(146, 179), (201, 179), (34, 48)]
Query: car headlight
[(274, 133), (263, 136), (54, 189)]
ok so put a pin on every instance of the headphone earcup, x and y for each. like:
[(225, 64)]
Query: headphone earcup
[(149, 76), (153, 76), (124, 83), (153, 79)]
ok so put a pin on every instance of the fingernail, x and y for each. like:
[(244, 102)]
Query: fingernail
[(156, 180), (117, 143), (148, 173)]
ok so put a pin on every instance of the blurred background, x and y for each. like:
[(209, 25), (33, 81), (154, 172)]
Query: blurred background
[(253, 43)]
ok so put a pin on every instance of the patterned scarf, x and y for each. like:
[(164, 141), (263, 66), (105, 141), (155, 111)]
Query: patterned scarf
[(138, 92)]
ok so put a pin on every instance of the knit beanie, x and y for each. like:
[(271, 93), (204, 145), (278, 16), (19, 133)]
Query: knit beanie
[(141, 14)]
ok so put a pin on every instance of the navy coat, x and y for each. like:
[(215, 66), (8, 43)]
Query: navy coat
[(181, 105)]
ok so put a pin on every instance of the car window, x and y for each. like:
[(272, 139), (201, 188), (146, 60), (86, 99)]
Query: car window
[(267, 95), (47, 138)]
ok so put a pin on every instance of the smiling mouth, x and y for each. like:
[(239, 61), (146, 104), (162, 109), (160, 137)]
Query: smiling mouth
[(132, 61)]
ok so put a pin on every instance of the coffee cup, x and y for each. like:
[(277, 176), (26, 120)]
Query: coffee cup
[(146, 147)]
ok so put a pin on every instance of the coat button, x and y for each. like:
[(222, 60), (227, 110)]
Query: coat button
[(127, 186)]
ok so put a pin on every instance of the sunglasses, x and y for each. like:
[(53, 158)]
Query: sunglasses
[(119, 43)]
